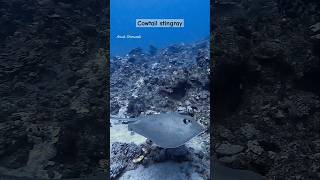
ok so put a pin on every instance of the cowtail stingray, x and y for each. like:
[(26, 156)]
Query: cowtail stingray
[(167, 130)]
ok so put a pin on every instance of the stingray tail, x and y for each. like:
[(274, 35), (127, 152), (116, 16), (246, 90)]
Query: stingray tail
[(122, 120)]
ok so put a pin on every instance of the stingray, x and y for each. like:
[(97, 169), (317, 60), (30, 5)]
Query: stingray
[(167, 130), (226, 173)]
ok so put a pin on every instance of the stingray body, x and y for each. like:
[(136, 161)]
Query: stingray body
[(167, 130), (225, 173)]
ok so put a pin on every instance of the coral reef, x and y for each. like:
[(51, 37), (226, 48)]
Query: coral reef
[(53, 89), (266, 88), (175, 78)]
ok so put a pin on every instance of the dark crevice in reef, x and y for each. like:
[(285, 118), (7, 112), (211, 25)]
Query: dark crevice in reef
[(180, 90), (227, 90), (67, 147), (229, 83), (309, 81), (270, 146)]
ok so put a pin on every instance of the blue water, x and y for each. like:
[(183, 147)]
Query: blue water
[(196, 15)]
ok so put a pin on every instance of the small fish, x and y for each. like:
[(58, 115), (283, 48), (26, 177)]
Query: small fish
[(167, 130)]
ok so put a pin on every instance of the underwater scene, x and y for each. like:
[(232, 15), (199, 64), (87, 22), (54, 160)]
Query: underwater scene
[(168, 95), (159, 90), (266, 89), (53, 89)]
